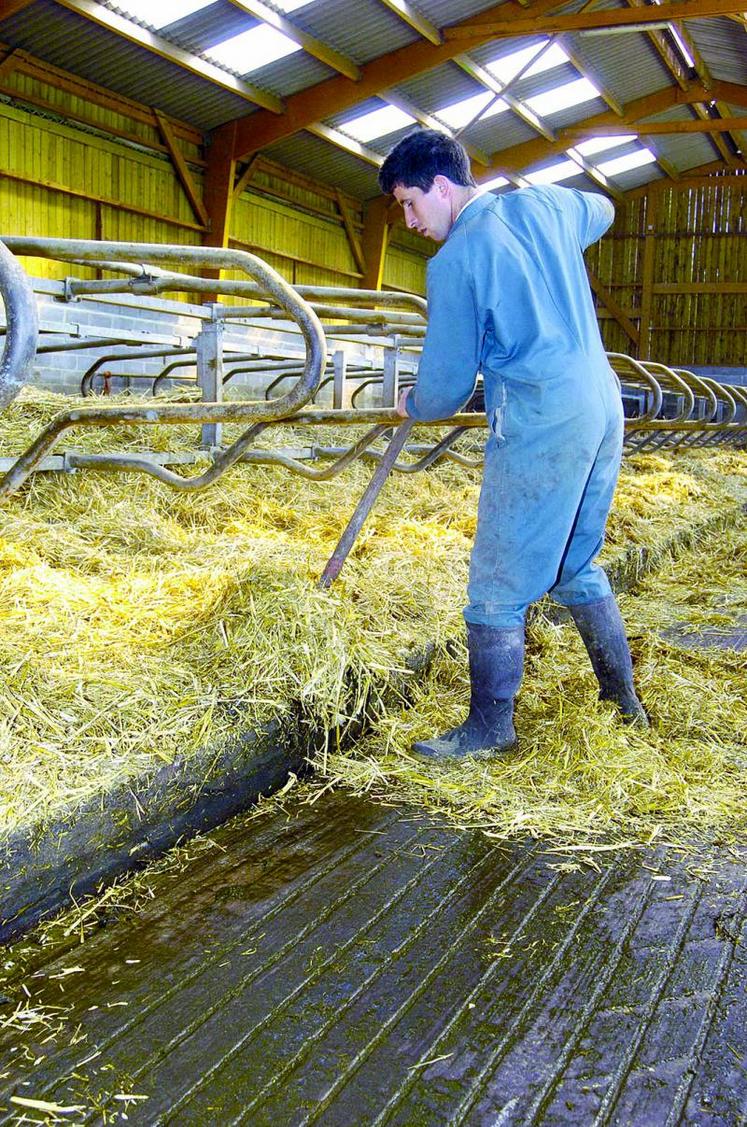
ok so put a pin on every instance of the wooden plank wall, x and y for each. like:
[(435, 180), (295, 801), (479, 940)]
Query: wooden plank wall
[(79, 162), (675, 263)]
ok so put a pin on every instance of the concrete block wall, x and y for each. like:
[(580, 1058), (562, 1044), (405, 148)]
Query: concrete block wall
[(159, 323)]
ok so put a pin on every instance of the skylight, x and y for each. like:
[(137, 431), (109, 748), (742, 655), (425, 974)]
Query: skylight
[(164, 12), (378, 123), (601, 144), (250, 50), (496, 182), (571, 94), (682, 46), (625, 163), (504, 69), (552, 173), (459, 113)]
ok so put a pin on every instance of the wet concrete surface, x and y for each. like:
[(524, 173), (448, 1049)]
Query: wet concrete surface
[(353, 963)]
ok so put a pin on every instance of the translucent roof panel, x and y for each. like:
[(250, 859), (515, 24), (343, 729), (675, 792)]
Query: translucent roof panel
[(553, 173), (252, 49), (496, 182), (602, 144), (459, 113), (506, 67), (625, 163), (563, 97), (378, 123)]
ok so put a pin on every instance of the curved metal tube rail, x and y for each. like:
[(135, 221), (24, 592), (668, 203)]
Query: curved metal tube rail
[(272, 285), (698, 400), (22, 326)]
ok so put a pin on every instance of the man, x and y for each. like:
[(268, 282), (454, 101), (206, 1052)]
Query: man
[(508, 296)]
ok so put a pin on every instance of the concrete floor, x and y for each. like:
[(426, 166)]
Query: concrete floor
[(353, 963)]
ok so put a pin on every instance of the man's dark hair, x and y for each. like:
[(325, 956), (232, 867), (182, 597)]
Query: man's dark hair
[(420, 157)]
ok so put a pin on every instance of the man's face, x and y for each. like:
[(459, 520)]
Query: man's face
[(427, 212)]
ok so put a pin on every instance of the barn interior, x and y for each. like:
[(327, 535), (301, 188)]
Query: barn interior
[(233, 578)]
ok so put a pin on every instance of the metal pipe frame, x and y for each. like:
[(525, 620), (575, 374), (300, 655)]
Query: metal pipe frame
[(646, 431), (22, 323)]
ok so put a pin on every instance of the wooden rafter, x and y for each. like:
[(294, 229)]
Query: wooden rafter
[(676, 67), (330, 97), (708, 125), (246, 177), (312, 46), (529, 153), (10, 8), (722, 175), (606, 20), (8, 63), (349, 144), (376, 224), (151, 41), (412, 17)]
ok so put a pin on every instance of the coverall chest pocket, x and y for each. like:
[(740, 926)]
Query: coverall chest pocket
[(496, 414)]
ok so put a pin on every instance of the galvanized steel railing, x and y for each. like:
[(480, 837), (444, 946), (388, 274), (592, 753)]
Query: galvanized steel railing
[(668, 408)]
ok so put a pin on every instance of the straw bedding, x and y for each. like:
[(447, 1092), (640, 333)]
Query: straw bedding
[(140, 623)]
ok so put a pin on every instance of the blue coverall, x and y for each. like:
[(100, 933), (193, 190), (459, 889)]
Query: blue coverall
[(508, 296)]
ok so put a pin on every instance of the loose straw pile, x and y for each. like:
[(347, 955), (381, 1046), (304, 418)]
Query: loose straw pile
[(140, 623)]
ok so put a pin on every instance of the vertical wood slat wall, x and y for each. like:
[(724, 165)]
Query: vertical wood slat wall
[(64, 179), (690, 241)]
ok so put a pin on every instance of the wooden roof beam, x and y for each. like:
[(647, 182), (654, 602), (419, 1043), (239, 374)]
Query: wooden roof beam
[(181, 168), (709, 125), (336, 94), (529, 153), (676, 66), (151, 41), (607, 20), (321, 51), (10, 8), (413, 19)]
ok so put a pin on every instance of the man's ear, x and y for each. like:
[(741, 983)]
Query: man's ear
[(442, 184)]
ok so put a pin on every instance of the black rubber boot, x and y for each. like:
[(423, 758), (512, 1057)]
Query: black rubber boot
[(602, 629), (496, 661)]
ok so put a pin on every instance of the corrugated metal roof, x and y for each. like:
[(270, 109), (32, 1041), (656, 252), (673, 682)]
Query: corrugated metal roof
[(500, 132), (723, 45), (76, 44), (319, 160), (360, 29), (206, 26), (627, 66), (610, 59), (636, 177), (439, 87), (688, 151)]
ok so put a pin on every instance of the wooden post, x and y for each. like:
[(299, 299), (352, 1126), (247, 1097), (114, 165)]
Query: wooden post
[(375, 238), (649, 251), (219, 183)]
